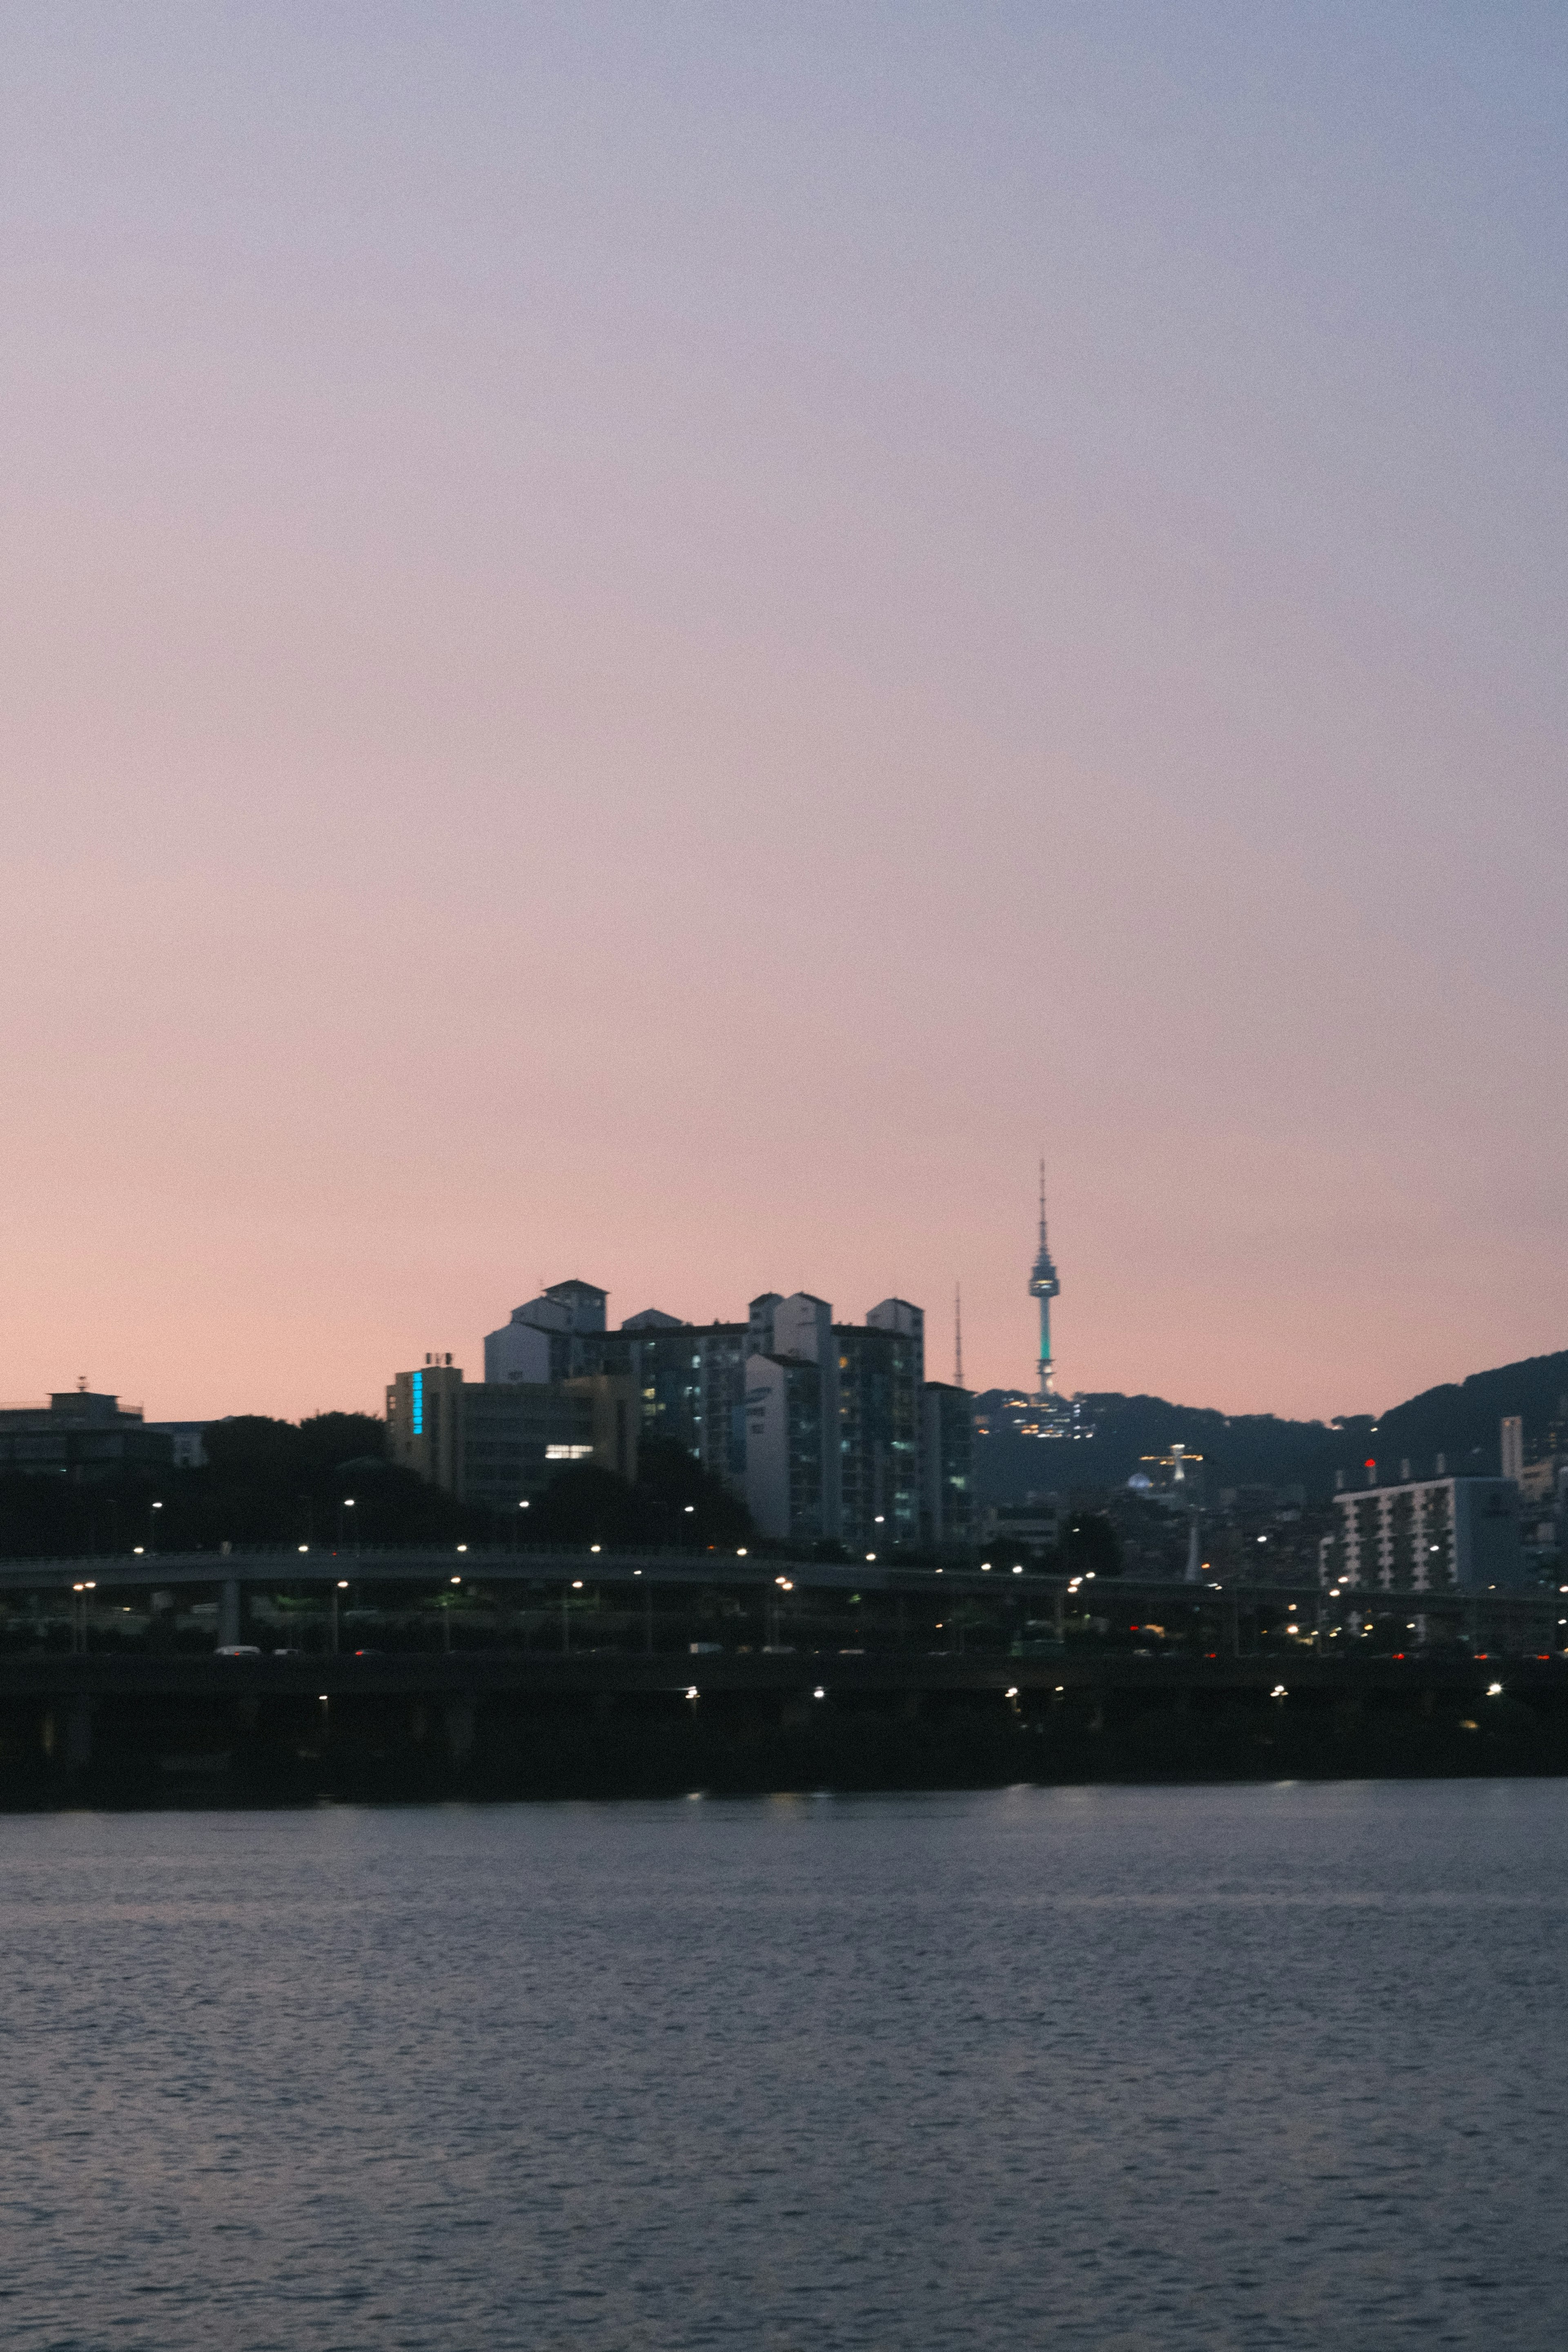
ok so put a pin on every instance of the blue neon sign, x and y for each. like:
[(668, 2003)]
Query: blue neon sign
[(418, 1404)]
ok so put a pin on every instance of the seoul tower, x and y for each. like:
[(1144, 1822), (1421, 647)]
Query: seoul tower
[(1043, 1286)]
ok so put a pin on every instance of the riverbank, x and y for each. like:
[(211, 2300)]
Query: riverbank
[(180, 1765)]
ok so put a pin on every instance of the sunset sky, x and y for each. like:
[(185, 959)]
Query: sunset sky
[(659, 642)]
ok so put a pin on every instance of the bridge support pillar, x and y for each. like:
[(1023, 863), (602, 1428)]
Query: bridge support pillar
[(228, 1612), (460, 1730), (79, 1734)]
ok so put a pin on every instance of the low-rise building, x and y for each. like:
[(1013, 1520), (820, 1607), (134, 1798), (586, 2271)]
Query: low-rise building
[(1030, 1531), (499, 1444), (83, 1437), (188, 1439)]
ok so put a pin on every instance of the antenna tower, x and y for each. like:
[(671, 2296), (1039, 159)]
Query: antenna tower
[(1044, 1286)]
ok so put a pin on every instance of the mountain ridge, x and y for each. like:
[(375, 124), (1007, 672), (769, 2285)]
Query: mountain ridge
[(1457, 1419)]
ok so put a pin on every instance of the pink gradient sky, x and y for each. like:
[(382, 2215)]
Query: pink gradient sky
[(658, 644)]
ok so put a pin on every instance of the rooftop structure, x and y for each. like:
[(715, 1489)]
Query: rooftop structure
[(80, 1436)]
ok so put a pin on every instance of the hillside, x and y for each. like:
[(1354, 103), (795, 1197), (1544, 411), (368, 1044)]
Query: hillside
[(1459, 1420)]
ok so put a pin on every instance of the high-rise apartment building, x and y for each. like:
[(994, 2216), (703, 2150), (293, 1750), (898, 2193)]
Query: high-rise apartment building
[(793, 1451), (908, 1322), (947, 1464), (720, 1357), (559, 1336), (830, 1452), (881, 1366), (690, 1379)]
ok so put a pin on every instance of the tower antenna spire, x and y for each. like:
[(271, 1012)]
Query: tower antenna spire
[(1044, 1286), (1047, 1414), (958, 1334)]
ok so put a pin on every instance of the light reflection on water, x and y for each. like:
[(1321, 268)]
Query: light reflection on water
[(1108, 2068)]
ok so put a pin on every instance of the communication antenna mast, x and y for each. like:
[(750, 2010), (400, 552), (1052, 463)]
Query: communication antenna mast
[(1044, 1286), (958, 1336)]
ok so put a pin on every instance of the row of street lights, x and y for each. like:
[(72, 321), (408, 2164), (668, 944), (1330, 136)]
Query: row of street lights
[(350, 1503)]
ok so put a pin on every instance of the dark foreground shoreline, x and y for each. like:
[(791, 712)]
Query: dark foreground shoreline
[(138, 1731), (564, 1761)]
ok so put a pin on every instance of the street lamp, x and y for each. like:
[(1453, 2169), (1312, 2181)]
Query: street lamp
[(341, 1586), (347, 1505), (153, 1529)]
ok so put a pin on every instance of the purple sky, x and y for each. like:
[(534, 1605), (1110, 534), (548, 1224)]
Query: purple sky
[(659, 642)]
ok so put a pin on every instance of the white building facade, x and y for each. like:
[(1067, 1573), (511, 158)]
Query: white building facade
[(1427, 1534)]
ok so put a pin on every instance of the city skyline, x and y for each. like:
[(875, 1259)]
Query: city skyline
[(490, 1366), (708, 710), (669, 646)]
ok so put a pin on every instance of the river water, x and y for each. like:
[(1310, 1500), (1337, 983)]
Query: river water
[(1096, 2068)]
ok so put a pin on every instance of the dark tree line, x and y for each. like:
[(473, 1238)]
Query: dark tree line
[(326, 1481)]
